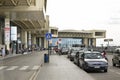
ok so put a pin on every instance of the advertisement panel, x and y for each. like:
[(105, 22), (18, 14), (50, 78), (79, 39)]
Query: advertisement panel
[(13, 33)]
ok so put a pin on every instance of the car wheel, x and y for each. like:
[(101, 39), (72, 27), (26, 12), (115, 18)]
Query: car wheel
[(78, 64), (105, 70), (113, 63)]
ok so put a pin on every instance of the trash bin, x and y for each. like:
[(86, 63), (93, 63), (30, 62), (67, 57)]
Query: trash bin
[(46, 58)]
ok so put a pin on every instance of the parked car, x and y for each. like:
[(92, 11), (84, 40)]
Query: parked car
[(93, 60), (72, 55), (76, 57), (64, 50), (56, 49), (116, 57), (69, 53)]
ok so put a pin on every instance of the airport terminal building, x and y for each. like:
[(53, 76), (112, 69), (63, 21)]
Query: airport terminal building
[(24, 23)]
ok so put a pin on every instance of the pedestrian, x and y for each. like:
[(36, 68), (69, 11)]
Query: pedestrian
[(104, 54), (3, 52)]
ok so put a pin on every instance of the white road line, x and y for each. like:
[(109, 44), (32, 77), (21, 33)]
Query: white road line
[(114, 72), (24, 68), (2, 67), (35, 67), (12, 68), (117, 73), (111, 70)]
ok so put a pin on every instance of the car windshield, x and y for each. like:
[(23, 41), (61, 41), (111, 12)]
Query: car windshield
[(93, 56)]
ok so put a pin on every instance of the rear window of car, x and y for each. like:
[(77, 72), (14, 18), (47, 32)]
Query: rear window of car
[(93, 56)]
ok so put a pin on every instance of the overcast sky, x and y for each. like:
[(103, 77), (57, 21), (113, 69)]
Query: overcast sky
[(87, 15)]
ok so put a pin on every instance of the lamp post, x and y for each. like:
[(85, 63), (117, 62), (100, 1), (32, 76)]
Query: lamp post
[(108, 41)]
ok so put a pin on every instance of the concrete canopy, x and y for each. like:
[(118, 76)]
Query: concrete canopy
[(29, 15)]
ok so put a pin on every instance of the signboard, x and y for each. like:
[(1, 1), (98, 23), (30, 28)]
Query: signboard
[(13, 33), (48, 36), (106, 40)]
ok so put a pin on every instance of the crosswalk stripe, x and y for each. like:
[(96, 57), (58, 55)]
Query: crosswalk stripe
[(2, 67), (24, 68), (35, 67), (12, 68)]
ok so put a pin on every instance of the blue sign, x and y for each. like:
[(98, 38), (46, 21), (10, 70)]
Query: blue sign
[(48, 36)]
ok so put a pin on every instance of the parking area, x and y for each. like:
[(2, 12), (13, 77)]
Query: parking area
[(60, 68)]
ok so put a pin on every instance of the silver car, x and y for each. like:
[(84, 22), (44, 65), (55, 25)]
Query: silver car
[(92, 60)]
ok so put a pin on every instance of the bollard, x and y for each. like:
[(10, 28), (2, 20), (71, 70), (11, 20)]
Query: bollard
[(46, 58)]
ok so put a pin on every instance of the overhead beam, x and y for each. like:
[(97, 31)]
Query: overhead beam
[(29, 2), (24, 24), (39, 23), (14, 2), (41, 29), (32, 23), (18, 25)]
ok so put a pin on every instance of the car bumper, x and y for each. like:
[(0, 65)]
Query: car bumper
[(96, 67)]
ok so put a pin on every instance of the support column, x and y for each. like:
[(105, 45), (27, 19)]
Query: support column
[(85, 41), (45, 43), (94, 42), (7, 31), (33, 39), (29, 39), (24, 38), (1, 36), (40, 42)]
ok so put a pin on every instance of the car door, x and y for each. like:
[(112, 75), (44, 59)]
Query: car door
[(116, 57), (81, 59)]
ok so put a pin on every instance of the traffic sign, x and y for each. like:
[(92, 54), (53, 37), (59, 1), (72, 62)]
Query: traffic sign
[(48, 36)]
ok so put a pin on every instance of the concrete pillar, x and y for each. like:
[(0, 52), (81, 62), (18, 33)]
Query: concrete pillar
[(85, 41), (33, 39), (29, 39), (45, 43), (40, 42), (24, 38), (94, 42), (7, 31), (1, 36)]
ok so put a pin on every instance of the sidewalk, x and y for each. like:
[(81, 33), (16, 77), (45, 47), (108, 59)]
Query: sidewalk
[(9, 56), (13, 55), (60, 68)]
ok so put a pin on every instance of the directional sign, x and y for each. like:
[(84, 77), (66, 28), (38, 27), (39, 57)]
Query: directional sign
[(108, 40), (48, 36)]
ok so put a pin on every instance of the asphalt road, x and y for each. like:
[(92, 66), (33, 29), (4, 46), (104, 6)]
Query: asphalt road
[(112, 74), (24, 67), (21, 67)]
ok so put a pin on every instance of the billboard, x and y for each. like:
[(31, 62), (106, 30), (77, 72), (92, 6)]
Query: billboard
[(13, 33)]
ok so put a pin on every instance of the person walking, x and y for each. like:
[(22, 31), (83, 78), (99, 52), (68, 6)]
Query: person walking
[(104, 53)]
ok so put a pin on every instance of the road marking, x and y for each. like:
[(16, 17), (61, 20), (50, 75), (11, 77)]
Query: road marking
[(24, 68), (12, 68), (2, 67), (115, 72), (35, 74), (111, 70), (118, 73), (35, 67)]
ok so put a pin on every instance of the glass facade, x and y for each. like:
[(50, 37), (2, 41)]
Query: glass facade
[(66, 42)]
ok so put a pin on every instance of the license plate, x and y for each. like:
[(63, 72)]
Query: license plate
[(97, 66)]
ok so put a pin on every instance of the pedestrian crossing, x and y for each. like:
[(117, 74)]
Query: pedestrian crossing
[(21, 68)]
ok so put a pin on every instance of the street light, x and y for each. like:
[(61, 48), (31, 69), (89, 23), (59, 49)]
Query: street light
[(108, 40)]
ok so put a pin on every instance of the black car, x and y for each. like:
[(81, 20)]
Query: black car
[(116, 57)]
